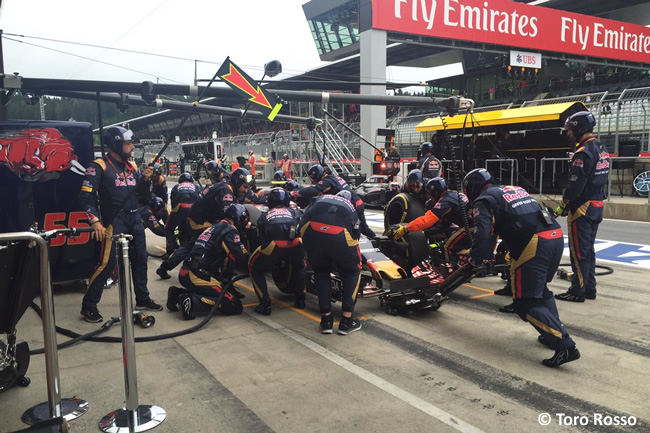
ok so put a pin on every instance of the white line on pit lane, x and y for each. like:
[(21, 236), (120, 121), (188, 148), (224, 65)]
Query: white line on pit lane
[(373, 379)]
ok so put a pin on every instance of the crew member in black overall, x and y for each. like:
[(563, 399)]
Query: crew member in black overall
[(208, 209), (183, 196), (280, 241), (159, 186), (330, 233), (536, 245), (444, 214), (323, 183), (583, 202), (210, 265), (429, 165), (109, 185), (152, 214)]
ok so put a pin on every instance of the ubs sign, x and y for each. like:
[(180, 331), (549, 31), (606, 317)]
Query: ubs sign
[(525, 59), (513, 24)]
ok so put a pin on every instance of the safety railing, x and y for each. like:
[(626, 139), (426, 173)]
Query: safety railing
[(511, 165)]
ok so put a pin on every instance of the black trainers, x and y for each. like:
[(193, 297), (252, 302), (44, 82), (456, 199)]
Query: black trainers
[(185, 304), (568, 296), (544, 341), (590, 295), (326, 324), (91, 315), (236, 293), (300, 302), (562, 356), (162, 273), (264, 310), (506, 291), (172, 297), (510, 308), (348, 325), (148, 305)]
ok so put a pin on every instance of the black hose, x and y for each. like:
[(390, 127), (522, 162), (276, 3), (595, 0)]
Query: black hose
[(91, 336), (607, 269)]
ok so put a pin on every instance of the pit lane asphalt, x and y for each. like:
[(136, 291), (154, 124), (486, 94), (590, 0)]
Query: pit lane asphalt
[(465, 367)]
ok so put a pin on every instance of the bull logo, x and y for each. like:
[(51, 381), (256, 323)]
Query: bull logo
[(38, 155)]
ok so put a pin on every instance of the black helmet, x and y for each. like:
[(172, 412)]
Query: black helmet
[(414, 178), (185, 177), (315, 173), (278, 197), (156, 204), (292, 185), (239, 216), (580, 123), (214, 171), (436, 187), (279, 176), (114, 138), (346, 195), (474, 182), (156, 168), (240, 177), (426, 147)]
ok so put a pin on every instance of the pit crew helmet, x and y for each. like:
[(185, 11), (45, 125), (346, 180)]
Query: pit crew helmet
[(414, 178), (315, 173), (426, 148), (580, 123), (346, 195), (475, 181), (114, 138), (156, 204), (214, 171), (279, 176), (278, 197), (436, 187), (185, 177), (239, 216), (240, 177)]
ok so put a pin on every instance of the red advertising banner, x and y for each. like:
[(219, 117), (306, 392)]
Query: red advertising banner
[(513, 24)]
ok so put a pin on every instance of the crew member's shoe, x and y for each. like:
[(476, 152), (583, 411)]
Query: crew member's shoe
[(263, 309), (162, 273), (544, 341), (148, 305), (347, 325), (590, 295), (506, 291), (91, 315), (510, 308), (300, 302), (568, 296), (185, 303), (326, 324), (172, 298), (236, 293), (562, 356)]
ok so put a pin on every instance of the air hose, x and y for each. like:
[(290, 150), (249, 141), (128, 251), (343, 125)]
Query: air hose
[(566, 275), (91, 336)]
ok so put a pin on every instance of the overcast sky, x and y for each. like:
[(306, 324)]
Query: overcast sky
[(251, 32)]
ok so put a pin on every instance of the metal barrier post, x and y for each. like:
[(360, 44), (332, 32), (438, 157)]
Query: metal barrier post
[(69, 408), (132, 418)]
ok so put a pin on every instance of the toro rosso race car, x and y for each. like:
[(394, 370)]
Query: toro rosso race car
[(377, 190)]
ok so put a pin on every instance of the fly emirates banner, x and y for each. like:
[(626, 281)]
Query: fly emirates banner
[(512, 24)]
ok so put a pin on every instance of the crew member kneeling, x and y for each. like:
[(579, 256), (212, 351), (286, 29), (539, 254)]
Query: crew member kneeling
[(330, 233), (536, 245), (209, 265), (280, 242)]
